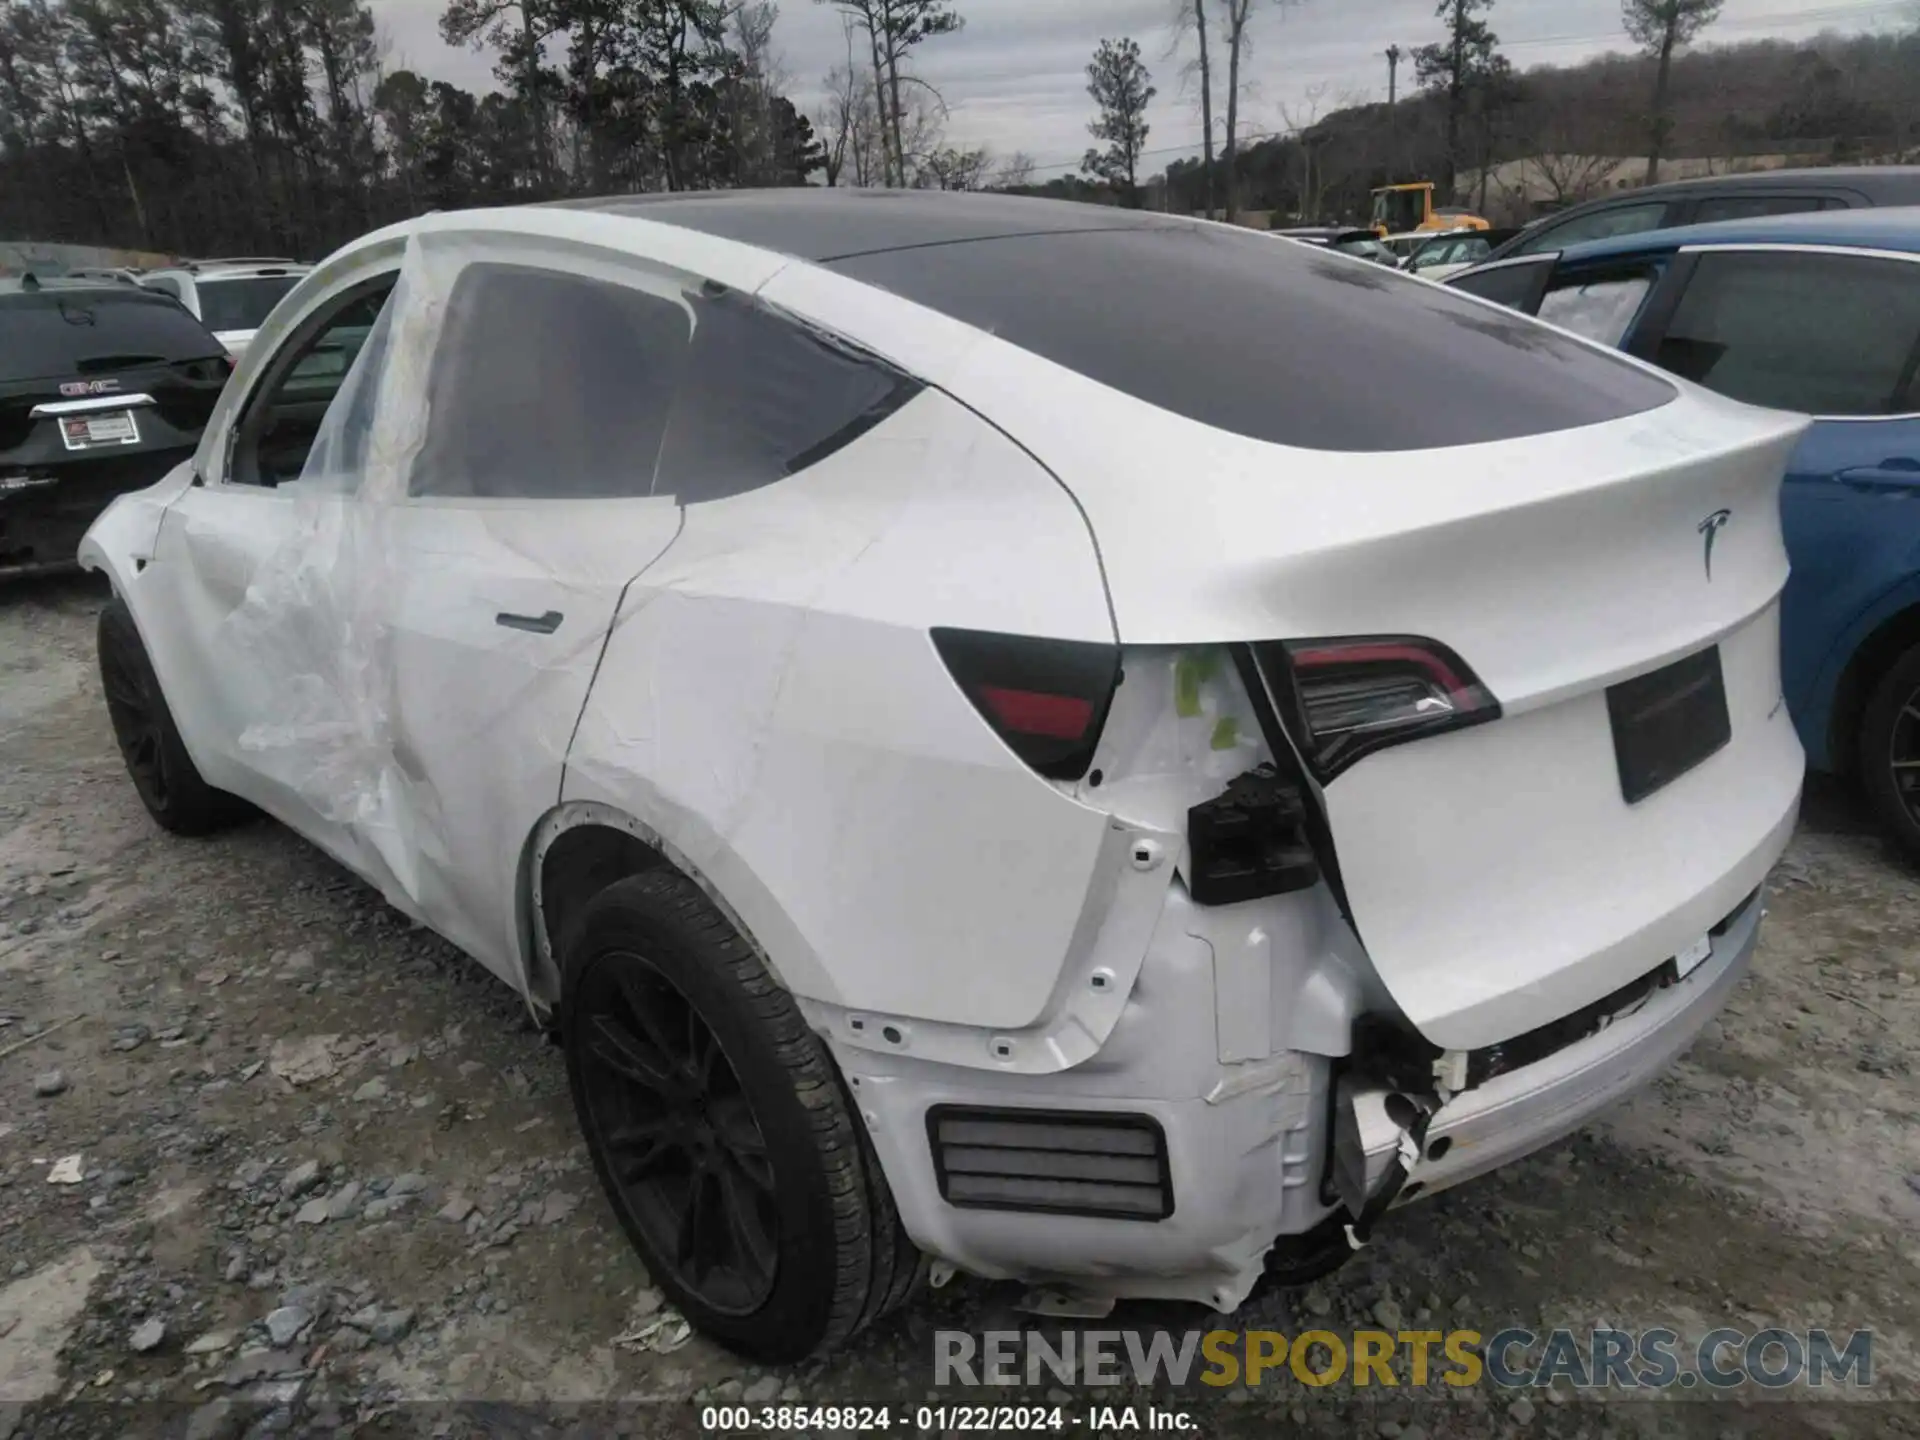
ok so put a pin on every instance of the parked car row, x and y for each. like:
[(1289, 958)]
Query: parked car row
[(107, 377), (790, 639), (1709, 199), (1434, 254)]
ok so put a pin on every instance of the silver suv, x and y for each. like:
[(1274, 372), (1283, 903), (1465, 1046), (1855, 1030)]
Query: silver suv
[(229, 297)]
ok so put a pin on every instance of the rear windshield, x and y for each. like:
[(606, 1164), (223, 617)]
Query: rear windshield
[(241, 303), (95, 332), (1279, 343)]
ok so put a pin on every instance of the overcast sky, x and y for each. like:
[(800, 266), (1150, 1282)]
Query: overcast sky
[(1015, 78)]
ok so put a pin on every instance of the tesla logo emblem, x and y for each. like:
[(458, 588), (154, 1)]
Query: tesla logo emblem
[(1711, 528)]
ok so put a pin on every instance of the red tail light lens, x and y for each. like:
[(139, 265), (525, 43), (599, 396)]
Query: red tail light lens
[(1355, 696), (1047, 699)]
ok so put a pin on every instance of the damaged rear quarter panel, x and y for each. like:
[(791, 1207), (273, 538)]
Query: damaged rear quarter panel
[(771, 704)]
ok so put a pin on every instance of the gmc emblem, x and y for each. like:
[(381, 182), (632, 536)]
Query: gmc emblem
[(89, 387)]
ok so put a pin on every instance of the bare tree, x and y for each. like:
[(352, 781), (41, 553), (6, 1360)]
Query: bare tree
[(1015, 171), (951, 169), (1659, 27), (920, 128), (1190, 18), (751, 97), (1239, 44), (894, 28), (1298, 120), (850, 121), (1571, 178)]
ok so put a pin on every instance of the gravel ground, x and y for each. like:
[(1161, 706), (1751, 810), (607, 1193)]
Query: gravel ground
[(274, 1160)]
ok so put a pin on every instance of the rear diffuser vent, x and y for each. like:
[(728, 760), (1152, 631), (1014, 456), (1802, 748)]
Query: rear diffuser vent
[(1067, 1162)]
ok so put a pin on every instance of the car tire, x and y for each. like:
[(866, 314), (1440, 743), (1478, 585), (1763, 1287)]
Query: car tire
[(1890, 737), (719, 1128), (163, 773)]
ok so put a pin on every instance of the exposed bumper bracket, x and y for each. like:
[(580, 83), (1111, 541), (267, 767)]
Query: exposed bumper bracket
[(1370, 1119)]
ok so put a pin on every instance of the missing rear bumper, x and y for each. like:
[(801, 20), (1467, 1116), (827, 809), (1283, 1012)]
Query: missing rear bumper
[(1622, 1045)]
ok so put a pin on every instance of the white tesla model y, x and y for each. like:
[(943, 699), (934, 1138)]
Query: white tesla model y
[(1072, 744)]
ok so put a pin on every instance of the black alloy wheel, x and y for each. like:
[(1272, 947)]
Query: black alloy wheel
[(137, 719), (720, 1130), (163, 773), (684, 1149)]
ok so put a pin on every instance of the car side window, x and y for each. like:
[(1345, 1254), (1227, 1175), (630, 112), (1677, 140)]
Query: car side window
[(549, 385), (1599, 308), (1596, 225), (764, 397), (1741, 207), (276, 430), (1514, 286), (1831, 334)]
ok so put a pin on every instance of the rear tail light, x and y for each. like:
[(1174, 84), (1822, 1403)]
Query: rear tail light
[(1351, 697), (1047, 699)]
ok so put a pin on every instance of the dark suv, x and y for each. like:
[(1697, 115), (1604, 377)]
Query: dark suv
[(103, 389), (1718, 197)]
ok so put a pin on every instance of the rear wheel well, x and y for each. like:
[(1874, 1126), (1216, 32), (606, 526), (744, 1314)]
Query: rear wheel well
[(579, 864), (1871, 660)]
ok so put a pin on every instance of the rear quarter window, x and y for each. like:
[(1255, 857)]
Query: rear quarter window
[(95, 332), (1278, 343), (765, 397)]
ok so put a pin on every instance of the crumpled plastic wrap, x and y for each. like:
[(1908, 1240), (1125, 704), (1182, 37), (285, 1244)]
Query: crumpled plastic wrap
[(313, 622)]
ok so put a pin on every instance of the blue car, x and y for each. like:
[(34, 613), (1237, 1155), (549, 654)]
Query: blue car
[(1816, 313)]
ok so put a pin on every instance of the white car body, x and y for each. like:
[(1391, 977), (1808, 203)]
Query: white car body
[(747, 685), (230, 297)]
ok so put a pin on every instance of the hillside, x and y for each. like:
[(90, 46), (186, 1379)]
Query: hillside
[(1829, 100)]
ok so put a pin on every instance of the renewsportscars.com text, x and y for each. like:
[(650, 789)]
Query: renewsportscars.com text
[(1514, 1358)]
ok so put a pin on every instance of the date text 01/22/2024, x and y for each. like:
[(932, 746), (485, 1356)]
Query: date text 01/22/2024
[(986, 1419)]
